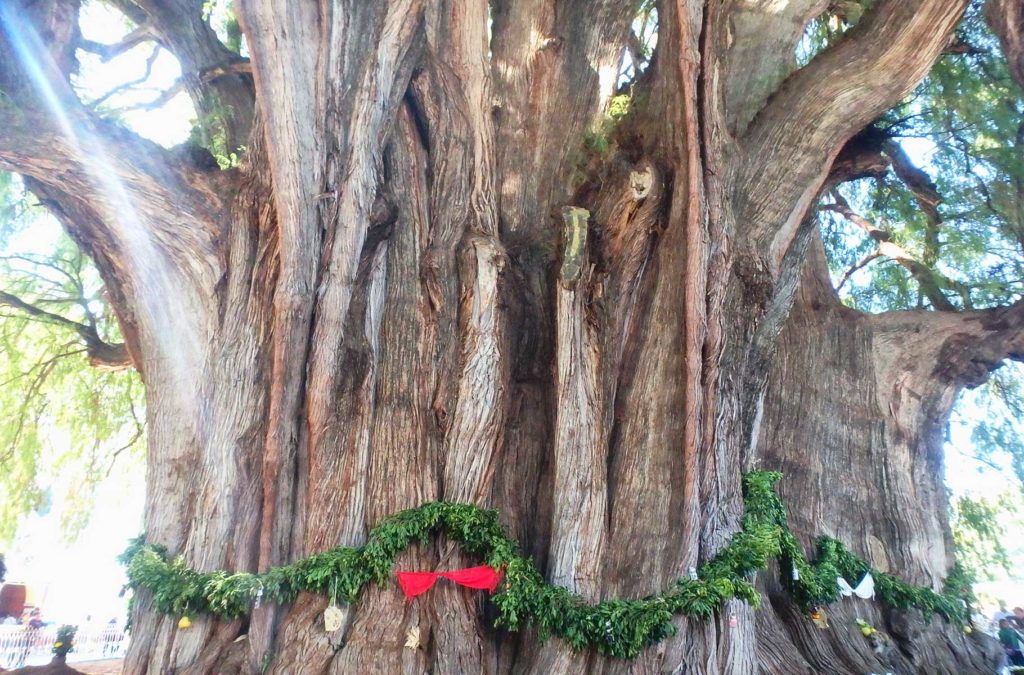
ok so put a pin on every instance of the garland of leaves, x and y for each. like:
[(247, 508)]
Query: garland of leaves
[(620, 628)]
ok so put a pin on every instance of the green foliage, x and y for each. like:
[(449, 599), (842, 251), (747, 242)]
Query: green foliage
[(65, 642), (620, 628), (64, 420), (1000, 433), (979, 532), (220, 14), (983, 525), (601, 139), (962, 127), (210, 132)]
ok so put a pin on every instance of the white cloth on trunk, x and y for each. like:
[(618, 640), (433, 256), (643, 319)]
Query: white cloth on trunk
[(865, 589)]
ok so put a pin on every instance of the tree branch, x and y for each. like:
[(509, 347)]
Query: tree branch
[(927, 279), (762, 40), (792, 142), (161, 99), (925, 194), (101, 354), (864, 262), (107, 52), (144, 215), (181, 84), (131, 83), (961, 348)]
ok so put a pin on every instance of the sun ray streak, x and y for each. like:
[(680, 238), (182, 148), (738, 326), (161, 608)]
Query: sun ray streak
[(164, 319)]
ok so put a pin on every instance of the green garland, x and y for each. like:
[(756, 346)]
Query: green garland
[(620, 628)]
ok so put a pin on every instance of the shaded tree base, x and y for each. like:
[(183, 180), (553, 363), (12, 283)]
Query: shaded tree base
[(790, 643), (55, 667)]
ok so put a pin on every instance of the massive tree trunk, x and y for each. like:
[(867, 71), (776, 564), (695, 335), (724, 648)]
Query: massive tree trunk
[(398, 297)]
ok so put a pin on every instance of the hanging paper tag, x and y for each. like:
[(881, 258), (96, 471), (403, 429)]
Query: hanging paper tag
[(259, 598), (332, 618), (733, 621), (796, 574), (412, 638), (693, 574)]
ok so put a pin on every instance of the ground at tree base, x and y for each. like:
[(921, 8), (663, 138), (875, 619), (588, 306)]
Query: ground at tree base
[(104, 667)]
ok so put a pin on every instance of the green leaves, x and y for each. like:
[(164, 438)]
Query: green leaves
[(65, 421), (619, 628), (958, 213)]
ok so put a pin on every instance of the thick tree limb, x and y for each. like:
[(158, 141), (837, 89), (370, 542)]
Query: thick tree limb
[(134, 188), (958, 349), (50, 137), (761, 53), (791, 143)]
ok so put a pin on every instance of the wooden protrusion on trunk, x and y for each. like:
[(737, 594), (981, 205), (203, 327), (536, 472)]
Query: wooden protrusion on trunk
[(579, 509), (579, 462), (574, 244)]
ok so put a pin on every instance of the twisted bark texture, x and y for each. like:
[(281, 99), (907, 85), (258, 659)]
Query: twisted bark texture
[(390, 301)]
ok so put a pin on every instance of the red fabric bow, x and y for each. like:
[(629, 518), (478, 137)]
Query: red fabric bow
[(483, 577)]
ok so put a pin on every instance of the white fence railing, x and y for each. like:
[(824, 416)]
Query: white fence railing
[(24, 646)]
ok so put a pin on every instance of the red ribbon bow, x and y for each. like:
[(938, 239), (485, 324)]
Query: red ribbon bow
[(483, 577)]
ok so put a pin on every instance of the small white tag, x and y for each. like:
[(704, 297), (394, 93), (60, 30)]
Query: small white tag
[(332, 618), (412, 638)]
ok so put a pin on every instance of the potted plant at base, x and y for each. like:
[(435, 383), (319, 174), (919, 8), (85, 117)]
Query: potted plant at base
[(64, 643)]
